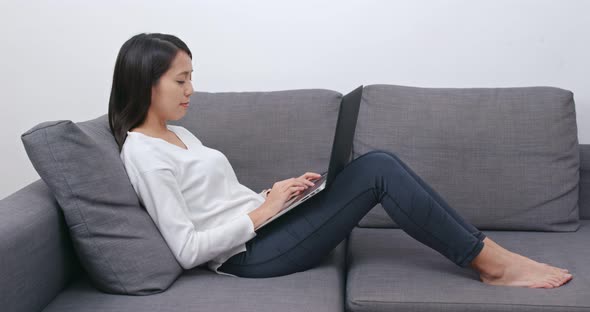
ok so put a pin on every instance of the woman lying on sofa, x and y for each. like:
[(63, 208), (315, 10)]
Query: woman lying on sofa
[(206, 216)]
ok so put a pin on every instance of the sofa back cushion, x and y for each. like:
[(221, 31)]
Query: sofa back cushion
[(266, 136), (504, 158), (115, 239)]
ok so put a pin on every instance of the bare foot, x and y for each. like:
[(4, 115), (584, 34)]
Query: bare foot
[(490, 242), (498, 266)]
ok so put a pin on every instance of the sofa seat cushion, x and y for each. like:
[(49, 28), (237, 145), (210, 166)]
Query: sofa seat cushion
[(390, 271), (318, 289)]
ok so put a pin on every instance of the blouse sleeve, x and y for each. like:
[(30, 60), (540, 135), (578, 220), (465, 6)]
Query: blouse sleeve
[(160, 194), (264, 193)]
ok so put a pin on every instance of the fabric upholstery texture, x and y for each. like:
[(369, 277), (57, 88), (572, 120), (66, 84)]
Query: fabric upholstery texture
[(36, 258), (318, 289), (504, 158), (389, 271)]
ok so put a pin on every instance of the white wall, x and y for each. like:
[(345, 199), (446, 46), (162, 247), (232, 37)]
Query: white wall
[(57, 57)]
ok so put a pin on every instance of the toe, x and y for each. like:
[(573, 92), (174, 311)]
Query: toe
[(549, 285), (554, 282), (541, 284), (562, 281)]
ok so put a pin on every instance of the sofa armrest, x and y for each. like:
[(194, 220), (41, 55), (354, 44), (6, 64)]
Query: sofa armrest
[(584, 200), (36, 256)]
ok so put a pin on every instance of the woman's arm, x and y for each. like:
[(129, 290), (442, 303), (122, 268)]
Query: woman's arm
[(161, 196)]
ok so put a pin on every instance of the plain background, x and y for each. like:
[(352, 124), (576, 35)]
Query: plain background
[(57, 57)]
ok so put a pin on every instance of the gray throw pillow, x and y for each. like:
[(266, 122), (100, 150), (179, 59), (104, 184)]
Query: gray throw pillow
[(115, 239), (504, 158)]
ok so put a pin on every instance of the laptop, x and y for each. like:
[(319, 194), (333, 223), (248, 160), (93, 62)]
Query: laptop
[(341, 151)]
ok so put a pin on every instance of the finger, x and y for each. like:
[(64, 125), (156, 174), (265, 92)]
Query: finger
[(295, 192), (300, 182), (311, 175), (289, 183), (295, 188), (305, 178), (306, 182)]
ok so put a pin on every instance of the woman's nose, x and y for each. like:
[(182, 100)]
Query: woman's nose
[(191, 89)]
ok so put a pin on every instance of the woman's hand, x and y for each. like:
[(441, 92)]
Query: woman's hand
[(282, 191)]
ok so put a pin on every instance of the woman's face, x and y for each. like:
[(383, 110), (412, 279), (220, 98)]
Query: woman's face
[(174, 88)]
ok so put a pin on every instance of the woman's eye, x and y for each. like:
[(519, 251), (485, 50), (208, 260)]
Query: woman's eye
[(181, 82)]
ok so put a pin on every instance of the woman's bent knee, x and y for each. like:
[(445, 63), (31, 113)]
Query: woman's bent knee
[(380, 158)]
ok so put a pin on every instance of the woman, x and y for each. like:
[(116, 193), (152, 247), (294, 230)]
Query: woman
[(206, 216)]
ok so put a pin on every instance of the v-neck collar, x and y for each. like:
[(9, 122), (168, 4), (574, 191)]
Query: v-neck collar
[(178, 135)]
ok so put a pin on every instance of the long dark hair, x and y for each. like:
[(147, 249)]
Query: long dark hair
[(142, 60)]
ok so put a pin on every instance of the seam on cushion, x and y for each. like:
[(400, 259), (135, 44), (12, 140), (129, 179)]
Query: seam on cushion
[(471, 303), (55, 124), (80, 212)]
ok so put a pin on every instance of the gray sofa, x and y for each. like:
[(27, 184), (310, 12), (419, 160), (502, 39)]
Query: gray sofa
[(507, 159)]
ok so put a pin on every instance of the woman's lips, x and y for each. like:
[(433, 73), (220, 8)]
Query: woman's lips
[(184, 104)]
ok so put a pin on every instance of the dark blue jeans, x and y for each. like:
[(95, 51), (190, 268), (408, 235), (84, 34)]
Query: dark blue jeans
[(304, 236)]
